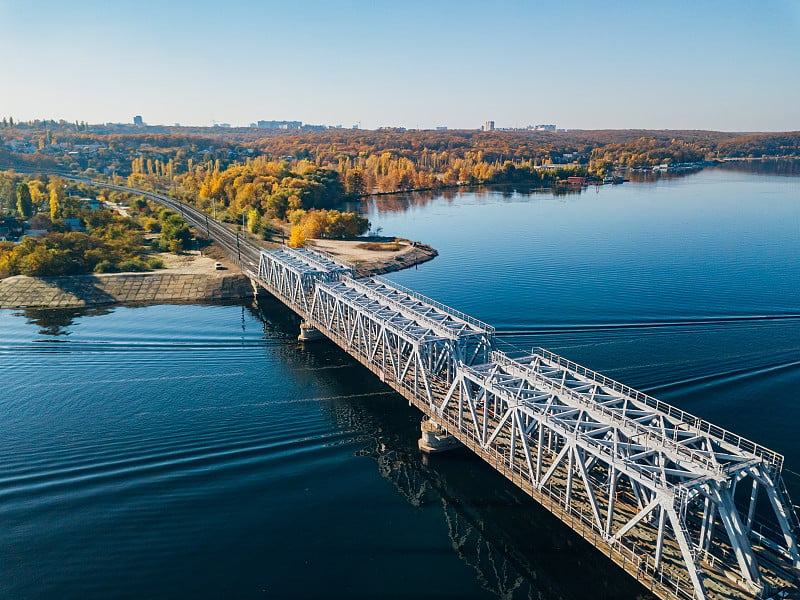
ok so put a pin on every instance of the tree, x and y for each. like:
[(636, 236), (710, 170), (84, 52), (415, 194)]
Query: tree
[(297, 237), (253, 221), (354, 182), (56, 190), (24, 202), (175, 233), (37, 194)]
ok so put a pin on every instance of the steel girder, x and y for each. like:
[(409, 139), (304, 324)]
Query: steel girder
[(674, 494), (291, 274), (409, 349), (735, 457), (722, 449), (640, 487), (471, 339)]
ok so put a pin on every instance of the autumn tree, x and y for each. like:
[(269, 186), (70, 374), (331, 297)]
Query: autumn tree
[(253, 221), (297, 237), (37, 192), (24, 202), (55, 189)]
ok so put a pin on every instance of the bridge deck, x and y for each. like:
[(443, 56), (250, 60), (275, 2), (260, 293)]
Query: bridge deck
[(675, 501)]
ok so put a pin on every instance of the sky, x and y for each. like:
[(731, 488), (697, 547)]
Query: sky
[(729, 65)]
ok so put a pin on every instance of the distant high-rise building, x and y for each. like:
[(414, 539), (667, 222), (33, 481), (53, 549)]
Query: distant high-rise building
[(279, 124), (137, 120), (488, 126)]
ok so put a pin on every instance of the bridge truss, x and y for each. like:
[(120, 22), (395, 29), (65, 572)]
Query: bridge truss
[(689, 509), (292, 273)]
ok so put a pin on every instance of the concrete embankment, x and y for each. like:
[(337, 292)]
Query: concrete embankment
[(188, 278), (128, 288)]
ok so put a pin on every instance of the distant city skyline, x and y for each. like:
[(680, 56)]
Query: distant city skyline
[(729, 66)]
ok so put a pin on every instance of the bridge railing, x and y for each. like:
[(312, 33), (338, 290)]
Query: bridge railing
[(480, 325), (645, 435), (774, 459)]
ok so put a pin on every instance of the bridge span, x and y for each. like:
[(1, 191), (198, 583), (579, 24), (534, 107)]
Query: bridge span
[(689, 509)]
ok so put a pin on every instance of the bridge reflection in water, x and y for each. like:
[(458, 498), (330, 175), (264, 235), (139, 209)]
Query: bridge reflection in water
[(688, 509)]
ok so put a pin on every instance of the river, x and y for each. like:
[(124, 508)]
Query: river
[(201, 451)]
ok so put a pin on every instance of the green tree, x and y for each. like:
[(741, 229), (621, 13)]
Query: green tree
[(8, 192), (175, 233), (354, 182), (24, 202)]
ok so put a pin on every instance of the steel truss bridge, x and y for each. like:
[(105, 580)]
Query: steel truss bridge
[(689, 509), (692, 511)]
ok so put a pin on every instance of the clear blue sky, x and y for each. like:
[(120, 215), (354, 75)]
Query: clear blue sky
[(726, 65)]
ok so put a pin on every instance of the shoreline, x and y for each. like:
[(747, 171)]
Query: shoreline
[(190, 278), (85, 291)]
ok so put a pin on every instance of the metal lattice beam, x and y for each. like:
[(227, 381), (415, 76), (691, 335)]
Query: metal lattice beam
[(653, 485)]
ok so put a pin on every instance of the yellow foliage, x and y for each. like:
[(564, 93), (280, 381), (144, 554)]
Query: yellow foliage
[(314, 223), (297, 237)]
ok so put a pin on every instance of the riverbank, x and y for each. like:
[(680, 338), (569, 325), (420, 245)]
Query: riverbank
[(376, 258), (191, 279), (188, 278)]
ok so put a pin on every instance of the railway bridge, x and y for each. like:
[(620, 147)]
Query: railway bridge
[(689, 509)]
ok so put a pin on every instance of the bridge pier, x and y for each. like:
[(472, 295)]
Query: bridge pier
[(435, 439), (309, 333)]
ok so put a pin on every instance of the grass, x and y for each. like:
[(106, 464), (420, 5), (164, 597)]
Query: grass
[(380, 246)]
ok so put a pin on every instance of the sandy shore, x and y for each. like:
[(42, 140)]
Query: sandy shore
[(376, 262)]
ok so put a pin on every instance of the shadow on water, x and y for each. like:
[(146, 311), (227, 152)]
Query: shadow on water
[(56, 322), (515, 547)]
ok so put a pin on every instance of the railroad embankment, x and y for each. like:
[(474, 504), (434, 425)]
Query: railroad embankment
[(187, 278)]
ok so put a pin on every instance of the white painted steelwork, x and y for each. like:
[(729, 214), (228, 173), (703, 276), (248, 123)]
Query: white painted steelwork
[(569, 434), (408, 340), (291, 274), (689, 509)]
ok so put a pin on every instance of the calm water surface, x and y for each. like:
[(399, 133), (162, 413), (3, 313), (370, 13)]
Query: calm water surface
[(200, 451)]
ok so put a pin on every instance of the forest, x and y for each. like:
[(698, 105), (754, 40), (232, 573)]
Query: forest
[(75, 239), (262, 178)]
